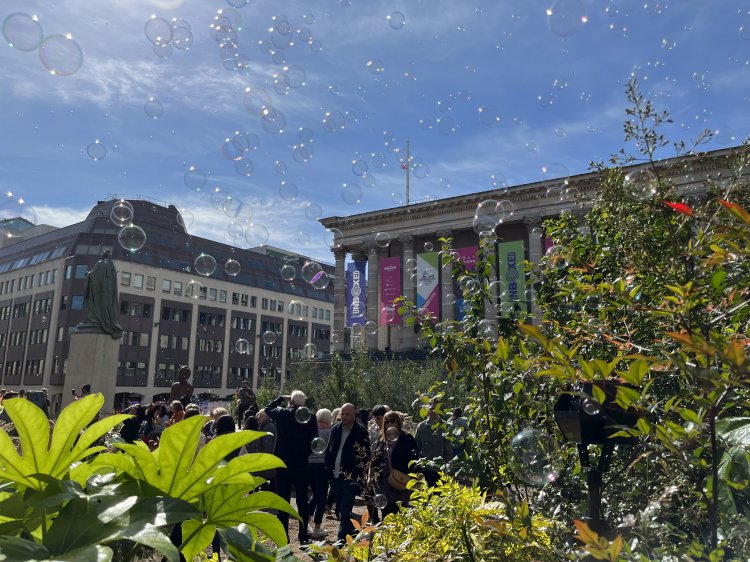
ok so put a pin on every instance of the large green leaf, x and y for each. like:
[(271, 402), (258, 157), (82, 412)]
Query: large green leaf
[(242, 544), (42, 455), (16, 549), (94, 553)]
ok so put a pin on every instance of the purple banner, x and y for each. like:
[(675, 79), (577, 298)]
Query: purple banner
[(390, 289), (468, 256), (356, 294)]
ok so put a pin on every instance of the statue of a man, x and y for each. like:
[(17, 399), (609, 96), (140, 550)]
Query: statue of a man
[(100, 302), (182, 390)]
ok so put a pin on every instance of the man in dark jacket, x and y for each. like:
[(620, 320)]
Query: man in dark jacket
[(347, 461), (295, 434)]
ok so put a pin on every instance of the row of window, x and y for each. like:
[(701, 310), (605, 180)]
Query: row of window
[(33, 367), (137, 281), (136, 339), (142, 310), (174, 342), (42, 306), (19, 338), (30, 281), (215, 346)]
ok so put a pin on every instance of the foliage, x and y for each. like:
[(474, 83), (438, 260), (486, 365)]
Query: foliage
[(59, 501), (365, 382), (451, 522)]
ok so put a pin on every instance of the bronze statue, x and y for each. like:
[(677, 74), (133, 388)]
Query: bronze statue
[(182, 390), (100, 302)]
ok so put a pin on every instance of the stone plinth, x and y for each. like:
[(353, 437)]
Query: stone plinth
[(92, 359)]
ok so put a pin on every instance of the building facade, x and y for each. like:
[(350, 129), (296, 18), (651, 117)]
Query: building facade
[(227, 326), (398, 247)]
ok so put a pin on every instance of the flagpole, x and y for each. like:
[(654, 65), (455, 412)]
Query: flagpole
[(408, 170)]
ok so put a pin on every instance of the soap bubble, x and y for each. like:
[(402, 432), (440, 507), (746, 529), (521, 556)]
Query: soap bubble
[(371, 327), (205, 265), (318, 445), (256, 235), (232, 268), (302, 414), (383, 239), (96, 150), (288, 190), (131, 238), (388, 313), (320, 280), (193, 289), (641, 184), (428, 246), (269, 337), (536, 232), (195, 179), (491, 212), (590, 406), (121, 213), (396, 20), (392, 434), (379, 501), (313, 211), (158, 31), (288, 272), (330, 236), (310, 351), (351, 193), (153, 108), (309, 270), (242, 346), (61, 55), (531, 451), (22, 31), (565, 17)]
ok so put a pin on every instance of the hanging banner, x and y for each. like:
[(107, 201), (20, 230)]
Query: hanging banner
[(510, 260), (390, 289), (356, 294), (428, 288), (467, 256), (547, 244)]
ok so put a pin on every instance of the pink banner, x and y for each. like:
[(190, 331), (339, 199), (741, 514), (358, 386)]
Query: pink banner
[(390, 289), (548, 243), (468, 256)]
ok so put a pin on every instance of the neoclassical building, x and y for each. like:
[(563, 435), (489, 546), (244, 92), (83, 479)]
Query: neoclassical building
[(396, 249)]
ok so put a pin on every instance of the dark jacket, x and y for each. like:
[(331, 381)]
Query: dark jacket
[(355, 456), (293, 439), (404, 451)]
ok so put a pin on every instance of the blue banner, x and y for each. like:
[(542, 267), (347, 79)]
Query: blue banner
[(356, 293)]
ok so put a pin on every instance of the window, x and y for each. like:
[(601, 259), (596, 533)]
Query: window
[(147, 311), (150, 283), (64, 302), (138, 281), (212, 294), (222, 296), (76, 302), (166, 285), (125, 279), (68, 271), (177, 288), (264, 304), (236, 299), (272, 304), (163, 341), (54, 276), (203, 292), (81, 271), (314, 312), (328, 315), (31, 281), (280, 306), (244, 300), (253, 302)]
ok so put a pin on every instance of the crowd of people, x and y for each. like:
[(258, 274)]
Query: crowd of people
[(331, 457)]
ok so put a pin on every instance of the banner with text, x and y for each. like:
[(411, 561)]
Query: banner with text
[(428, 288), (356, 294), (468, 256), (390, 289), (510, 260)]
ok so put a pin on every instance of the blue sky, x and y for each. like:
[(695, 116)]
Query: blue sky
[(345, 82)]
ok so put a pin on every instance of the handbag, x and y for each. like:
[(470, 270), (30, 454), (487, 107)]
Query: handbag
[(398, 480)]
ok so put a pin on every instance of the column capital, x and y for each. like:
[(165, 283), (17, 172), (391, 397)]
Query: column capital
[(406, 239), (533, 222), (339, 253)]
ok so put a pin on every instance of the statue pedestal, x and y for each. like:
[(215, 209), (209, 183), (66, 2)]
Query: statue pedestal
[(93, 360)]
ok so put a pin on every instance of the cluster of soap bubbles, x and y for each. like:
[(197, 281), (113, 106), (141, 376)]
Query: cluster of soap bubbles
[(311, 272), (165, 36), (59, 54), (131, 237), (303, 151), (489, 214), (532, 454), (237, 148)]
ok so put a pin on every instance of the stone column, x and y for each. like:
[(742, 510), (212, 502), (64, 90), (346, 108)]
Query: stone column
[(339, 301), (373, 302), (408, 337), (536, 251), (92, 359), (447, 297)]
